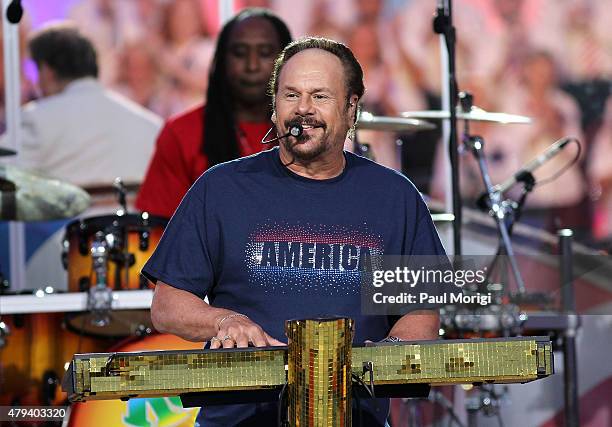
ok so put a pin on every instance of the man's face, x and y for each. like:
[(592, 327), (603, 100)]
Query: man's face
[(312, 92), (253, 46)]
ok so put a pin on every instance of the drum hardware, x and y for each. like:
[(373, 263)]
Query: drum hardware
[(50, 383), (491, 321), (537, 299), (100, 296), (5, 331), (486, 400), (121, 196), (118, 246), (369, 121), (130, 238), (145, 232), (511, 212), (472, 114), (121, 256), (495, 207), (496, 319), (509, 319), (143, 241), (83, 242), (143, 330), (467, 111), (99, 256)]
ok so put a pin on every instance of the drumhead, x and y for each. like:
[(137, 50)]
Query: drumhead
[(121, 323), (91, 225)]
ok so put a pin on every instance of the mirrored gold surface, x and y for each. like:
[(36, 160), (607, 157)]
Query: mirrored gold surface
[(170, 373)]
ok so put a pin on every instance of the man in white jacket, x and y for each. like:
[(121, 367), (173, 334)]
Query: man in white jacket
[(79, 131)]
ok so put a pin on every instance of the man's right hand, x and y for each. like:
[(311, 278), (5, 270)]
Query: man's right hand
[(239, 331)]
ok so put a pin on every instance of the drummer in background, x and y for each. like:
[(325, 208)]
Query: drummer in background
[(231, 124), (79, 131)]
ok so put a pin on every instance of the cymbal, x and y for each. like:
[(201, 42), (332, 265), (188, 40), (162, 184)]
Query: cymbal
[(391, 124), (26, 196), (475, 114), (6, 152)]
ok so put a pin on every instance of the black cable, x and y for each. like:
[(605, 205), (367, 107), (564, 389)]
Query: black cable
[(564, 168), (360, 381)]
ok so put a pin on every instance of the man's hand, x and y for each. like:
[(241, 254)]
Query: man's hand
[(182, 313), (239, 331)]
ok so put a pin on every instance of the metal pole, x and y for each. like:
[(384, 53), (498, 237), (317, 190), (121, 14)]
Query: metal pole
[(570, 364), (443, 24), (497, 210), (448, 178), (12, 100), (226, 11), (566, 270)]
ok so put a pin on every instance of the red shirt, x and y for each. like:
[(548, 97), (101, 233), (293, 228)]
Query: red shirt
[(178, 160)]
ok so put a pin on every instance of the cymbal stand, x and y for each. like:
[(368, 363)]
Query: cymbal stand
[(568, 302), (443, 25)]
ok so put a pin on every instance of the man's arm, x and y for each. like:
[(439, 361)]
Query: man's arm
[(181, 313), (417, 325)]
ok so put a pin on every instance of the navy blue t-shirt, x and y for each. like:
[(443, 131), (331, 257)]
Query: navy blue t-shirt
[(260, 240)]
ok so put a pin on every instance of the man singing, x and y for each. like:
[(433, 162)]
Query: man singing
[(287, 233)]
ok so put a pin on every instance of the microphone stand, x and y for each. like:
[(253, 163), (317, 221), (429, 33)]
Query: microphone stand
[(515, 210), (497, 208), (443, 24)]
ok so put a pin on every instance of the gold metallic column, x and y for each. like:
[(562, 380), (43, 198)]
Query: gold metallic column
[(319, 376)]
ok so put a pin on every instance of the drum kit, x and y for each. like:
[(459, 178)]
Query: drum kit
[(102, 256)]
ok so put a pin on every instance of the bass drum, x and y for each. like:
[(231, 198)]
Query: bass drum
[(159, 411), (34, 357)]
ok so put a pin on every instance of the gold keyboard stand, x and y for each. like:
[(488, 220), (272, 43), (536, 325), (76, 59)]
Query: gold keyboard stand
[(315, 346)]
